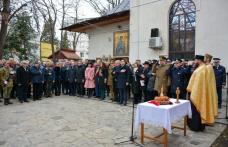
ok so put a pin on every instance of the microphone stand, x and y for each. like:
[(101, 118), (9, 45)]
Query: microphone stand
[(132, 137)]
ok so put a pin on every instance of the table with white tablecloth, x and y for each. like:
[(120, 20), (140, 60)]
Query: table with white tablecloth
[(162, 116)]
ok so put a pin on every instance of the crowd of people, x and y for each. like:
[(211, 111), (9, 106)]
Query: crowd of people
[(115, 79), (118, 80), (201, 81)]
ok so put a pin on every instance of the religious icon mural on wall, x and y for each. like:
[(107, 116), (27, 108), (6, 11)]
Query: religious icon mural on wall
[(121, 44)]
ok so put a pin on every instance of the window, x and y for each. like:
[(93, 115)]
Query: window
[(182, 21)]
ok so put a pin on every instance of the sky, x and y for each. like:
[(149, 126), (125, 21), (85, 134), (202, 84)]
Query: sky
[(85, 11)]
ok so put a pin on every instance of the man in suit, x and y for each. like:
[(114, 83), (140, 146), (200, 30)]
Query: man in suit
[(71, 73), (65, 84), (49, 78), (57, 70), (22, 75), (80, 78), (220, 76), (123, 75), (37, 81)]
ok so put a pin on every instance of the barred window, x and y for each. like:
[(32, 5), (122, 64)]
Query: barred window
[(182, 22)]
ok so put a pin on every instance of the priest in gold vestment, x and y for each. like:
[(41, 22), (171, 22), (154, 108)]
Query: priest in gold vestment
[(212, 92), (202, 97)]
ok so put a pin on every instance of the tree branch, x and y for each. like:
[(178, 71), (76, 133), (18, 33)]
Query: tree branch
[(13, 14)]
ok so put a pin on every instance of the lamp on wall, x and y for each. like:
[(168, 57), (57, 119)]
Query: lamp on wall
[(119, 27)]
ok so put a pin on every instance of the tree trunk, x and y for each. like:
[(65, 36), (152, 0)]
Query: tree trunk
[(62, 25), (3, 32), (75, 41), (4, 25), (53, 42)]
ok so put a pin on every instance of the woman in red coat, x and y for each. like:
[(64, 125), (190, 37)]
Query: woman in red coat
[(89, 79)]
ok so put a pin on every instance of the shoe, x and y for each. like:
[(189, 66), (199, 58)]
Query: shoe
[(6, 102), (9, 102), (39, 99), (21, 101), (26, 101), (220, 107)]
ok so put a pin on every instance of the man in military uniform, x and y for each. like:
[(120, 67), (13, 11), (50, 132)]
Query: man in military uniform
[(220, 76), (6, 81), (178, 79), (162, 77)]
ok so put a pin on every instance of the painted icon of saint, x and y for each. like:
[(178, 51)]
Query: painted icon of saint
[(120, 49)]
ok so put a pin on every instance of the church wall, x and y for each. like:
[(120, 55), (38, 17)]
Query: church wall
[(211, 28), (101, 39)]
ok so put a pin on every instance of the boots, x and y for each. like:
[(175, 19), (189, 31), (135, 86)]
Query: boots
[(7, 101)]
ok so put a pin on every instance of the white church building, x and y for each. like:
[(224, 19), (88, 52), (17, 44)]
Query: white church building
[(145, 29)]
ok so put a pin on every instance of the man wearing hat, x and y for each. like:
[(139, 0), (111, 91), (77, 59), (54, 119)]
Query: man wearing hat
[(220, 76), (178, 76), (162, 77), (202, 106), (144, 79)]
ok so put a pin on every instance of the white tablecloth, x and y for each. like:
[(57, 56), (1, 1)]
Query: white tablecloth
[(163, 115)]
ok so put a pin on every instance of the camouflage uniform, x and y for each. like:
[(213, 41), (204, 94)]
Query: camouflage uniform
[(6, 83)]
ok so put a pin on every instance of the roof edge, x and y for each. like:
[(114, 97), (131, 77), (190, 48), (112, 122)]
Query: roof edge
[(97, 19)]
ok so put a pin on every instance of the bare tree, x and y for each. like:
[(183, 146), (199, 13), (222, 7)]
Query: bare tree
[(6, 15), (48, 11), (104, 6), (75, 34), (65, 6)]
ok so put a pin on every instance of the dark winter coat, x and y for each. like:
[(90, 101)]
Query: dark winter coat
[(37, 74)]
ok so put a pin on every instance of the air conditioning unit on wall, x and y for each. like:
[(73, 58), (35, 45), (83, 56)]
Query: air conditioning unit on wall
[(155, 43)]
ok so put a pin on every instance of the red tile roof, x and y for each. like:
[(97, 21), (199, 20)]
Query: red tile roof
[(66, 54)]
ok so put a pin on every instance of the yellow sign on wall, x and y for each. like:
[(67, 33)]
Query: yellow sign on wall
[(46, 50)]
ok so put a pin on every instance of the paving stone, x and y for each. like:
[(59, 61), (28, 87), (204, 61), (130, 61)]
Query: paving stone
[(80, 122)]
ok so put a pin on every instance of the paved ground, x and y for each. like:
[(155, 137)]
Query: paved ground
[(80, 122)]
